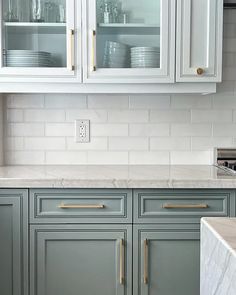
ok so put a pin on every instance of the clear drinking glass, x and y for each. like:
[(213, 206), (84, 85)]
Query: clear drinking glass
[(12, 13), (37, 14)]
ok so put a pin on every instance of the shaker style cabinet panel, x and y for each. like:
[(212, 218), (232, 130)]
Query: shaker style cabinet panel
[(13, 242), (199, 40), (80, 206), (181, 206), (129, 41), (166, 262), (81, 260), (40, 40)]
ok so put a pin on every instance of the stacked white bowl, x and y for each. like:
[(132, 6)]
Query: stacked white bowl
[(116, 55), (145, 57), (28, 58)]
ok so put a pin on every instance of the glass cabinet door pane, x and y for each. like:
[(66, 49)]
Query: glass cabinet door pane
[(128, 34), (35, 33)]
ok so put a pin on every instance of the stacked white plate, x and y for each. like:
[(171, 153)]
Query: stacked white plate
[(28, 58), (145, 57), (116, 55)]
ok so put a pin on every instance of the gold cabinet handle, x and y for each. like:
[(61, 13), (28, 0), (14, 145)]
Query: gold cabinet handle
[(94, 68), (185, 206), (81, 206), (122, 262), (200, 71), (71, 64), (145, 262)]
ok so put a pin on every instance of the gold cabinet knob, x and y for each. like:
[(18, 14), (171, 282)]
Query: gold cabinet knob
[(200, 71)]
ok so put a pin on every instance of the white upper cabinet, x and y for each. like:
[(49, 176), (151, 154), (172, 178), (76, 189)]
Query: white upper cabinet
[(129, 41), (38, 40), (100, 46), (199, 40)]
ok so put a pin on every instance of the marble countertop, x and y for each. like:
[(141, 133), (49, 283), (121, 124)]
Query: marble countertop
[(115, 177), (224, 229), (218, 256)]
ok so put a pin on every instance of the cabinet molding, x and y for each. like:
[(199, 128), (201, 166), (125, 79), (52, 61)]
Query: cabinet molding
[(199, 40), (89, 258), (14, 242)]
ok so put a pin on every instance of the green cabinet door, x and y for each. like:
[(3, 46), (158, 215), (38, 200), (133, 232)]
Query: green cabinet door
[(13, 242), (81, 260), (166, 262)]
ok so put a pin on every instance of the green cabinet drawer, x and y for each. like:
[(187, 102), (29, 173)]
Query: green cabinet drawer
[(170, 206), (80, 206)]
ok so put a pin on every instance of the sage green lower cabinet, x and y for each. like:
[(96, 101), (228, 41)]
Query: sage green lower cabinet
[(81, 260), (13, 242), (166, 260)]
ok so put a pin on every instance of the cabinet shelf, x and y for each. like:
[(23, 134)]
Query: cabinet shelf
[(129, 29), (39, 28), (129, 25)]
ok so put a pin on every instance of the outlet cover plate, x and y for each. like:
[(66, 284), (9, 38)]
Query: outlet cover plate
[(82, 131)]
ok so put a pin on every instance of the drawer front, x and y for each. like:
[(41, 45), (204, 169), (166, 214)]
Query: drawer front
[(80, 206), (167, 206)]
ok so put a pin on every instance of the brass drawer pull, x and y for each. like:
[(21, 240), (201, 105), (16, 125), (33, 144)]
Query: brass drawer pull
[(185, 206), (94, 68), (122, 262), (145, 262), (84, 206), (71, 65)]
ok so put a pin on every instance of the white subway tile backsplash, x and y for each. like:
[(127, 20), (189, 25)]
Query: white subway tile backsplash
[(25, 129), (191, 158), (44, 115), (191, 101), (128, 143), (209, 143), (14, 143), (191, 130), (107, 158), (109, 130), (59, 129), (24, 158), (25, 101), (15, 115), (96, 116), (108, 101), (149, 130), (65, 101), (45, 143), (66, 158), (224, 129), (170, 116), (149, 102), (96, 144), (212, 116), (224, 101), (170, 143), (124, 116), (149, 158)]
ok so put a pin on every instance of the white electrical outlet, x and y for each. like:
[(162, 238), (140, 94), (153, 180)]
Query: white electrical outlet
[(82, 130)]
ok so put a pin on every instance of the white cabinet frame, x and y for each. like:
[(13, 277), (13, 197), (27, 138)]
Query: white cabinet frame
[(207, 36), (56, 74), (164, 74)]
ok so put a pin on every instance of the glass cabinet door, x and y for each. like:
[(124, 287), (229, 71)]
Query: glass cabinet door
[(38, 37), (129, 41)]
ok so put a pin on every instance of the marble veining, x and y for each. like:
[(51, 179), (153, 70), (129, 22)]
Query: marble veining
[(119, 176), (218, 256)]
